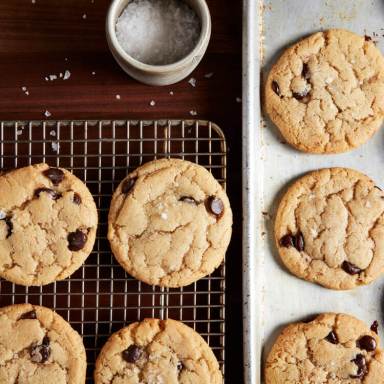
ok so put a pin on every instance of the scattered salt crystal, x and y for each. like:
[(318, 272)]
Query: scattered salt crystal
[(93, 73), (171, 93), (118, 97), (46, 78), (152, 103), (67, 75), (47, 113), (193, 112), (55, 146), (2, 215), (33, 1), (84, 16), (52, 133), (158, 32), (19, 132), (52, 77), (27, 93), (192, 81), (66, 58), (314, 232), (164, 216), (23, 89), (60, 75), (238, 100), (208, 75), (328, 80)]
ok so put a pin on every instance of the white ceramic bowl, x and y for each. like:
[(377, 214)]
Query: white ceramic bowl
[(159, 74)]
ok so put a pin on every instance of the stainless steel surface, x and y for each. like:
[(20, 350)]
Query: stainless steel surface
[(283, 298), (100, 297)]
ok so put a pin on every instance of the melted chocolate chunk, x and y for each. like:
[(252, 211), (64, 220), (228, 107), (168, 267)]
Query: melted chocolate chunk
[(375, 327), (9, 226), (53, 194), (76, 240), (188, 199), (128, 185), (305, 72), (132, 353), (367, 343), (56, 175), (215, 206), (76, 198), (332, 338), (350, 268), (31, 315), (276, 88), (367, 38), (296, 241), (359, 360), (40, 353)]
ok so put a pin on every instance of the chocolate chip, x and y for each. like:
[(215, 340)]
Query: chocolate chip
[(276, 88), (9, 226), (216, 206), (76, 198), (40, 353), (31, 315), (180, 366), (375, 327), (53, 194), (188, 199), (76, 240), (305, 72), (359, 360), (378, 188), (132, 353), (128, 185), (296, 241), (367, 38), (367, 343), (301, 95), (56, 175), (350, 268), (332, 338)]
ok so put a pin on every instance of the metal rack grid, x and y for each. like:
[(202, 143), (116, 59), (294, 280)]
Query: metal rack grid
[(100, 297)]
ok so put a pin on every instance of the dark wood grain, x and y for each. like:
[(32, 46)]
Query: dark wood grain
[(51, 36)]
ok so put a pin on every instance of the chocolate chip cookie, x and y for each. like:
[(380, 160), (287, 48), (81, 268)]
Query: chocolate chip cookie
[(332, 349), (37, 346), (157, 351), (48, 222), (169, 223), (329, 228), (326, 92)]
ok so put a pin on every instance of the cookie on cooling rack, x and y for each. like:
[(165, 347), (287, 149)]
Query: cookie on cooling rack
[(333, 348), (48, 222), (329, 228), (326, 92), (37, 346), (169, 223), (157, 351)]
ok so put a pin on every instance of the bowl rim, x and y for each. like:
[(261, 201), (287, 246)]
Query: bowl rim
[(205, 34)]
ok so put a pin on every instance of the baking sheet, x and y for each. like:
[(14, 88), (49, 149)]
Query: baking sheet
[(285, 298)]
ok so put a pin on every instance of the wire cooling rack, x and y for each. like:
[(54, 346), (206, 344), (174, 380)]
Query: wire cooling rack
[(100, 297)]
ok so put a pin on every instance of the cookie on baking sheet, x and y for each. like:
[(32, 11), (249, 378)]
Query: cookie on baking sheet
[(169, 223), (326, 92), (37, 346), (329, 228), (157, 351), (48, 222), (332, 349)]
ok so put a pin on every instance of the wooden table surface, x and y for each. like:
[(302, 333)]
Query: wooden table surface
[(51, 36)]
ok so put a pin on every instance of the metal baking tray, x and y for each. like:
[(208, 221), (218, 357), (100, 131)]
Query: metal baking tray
[(272, 296), (100, 297)]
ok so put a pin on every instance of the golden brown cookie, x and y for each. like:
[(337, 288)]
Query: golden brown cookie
[(157, 351), (170, 223), (332, 349), (329, 228), (48, 222), (37, 346), (326, 92)]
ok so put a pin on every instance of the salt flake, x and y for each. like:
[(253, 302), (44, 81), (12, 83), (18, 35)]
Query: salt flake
[(152, 103), (47, 113), (192, 81), (67, 75), (193, 112), (52, 133), (2, 215), (208, 75), (55, 146)]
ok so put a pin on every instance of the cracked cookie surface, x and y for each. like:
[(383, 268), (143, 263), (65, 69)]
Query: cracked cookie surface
[(326, 92), (170, 223), (48, 222), (157, 352), (332, 349), (329, 228), (37, 346)]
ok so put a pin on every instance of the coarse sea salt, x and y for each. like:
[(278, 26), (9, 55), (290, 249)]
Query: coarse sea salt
[(158, 32)]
